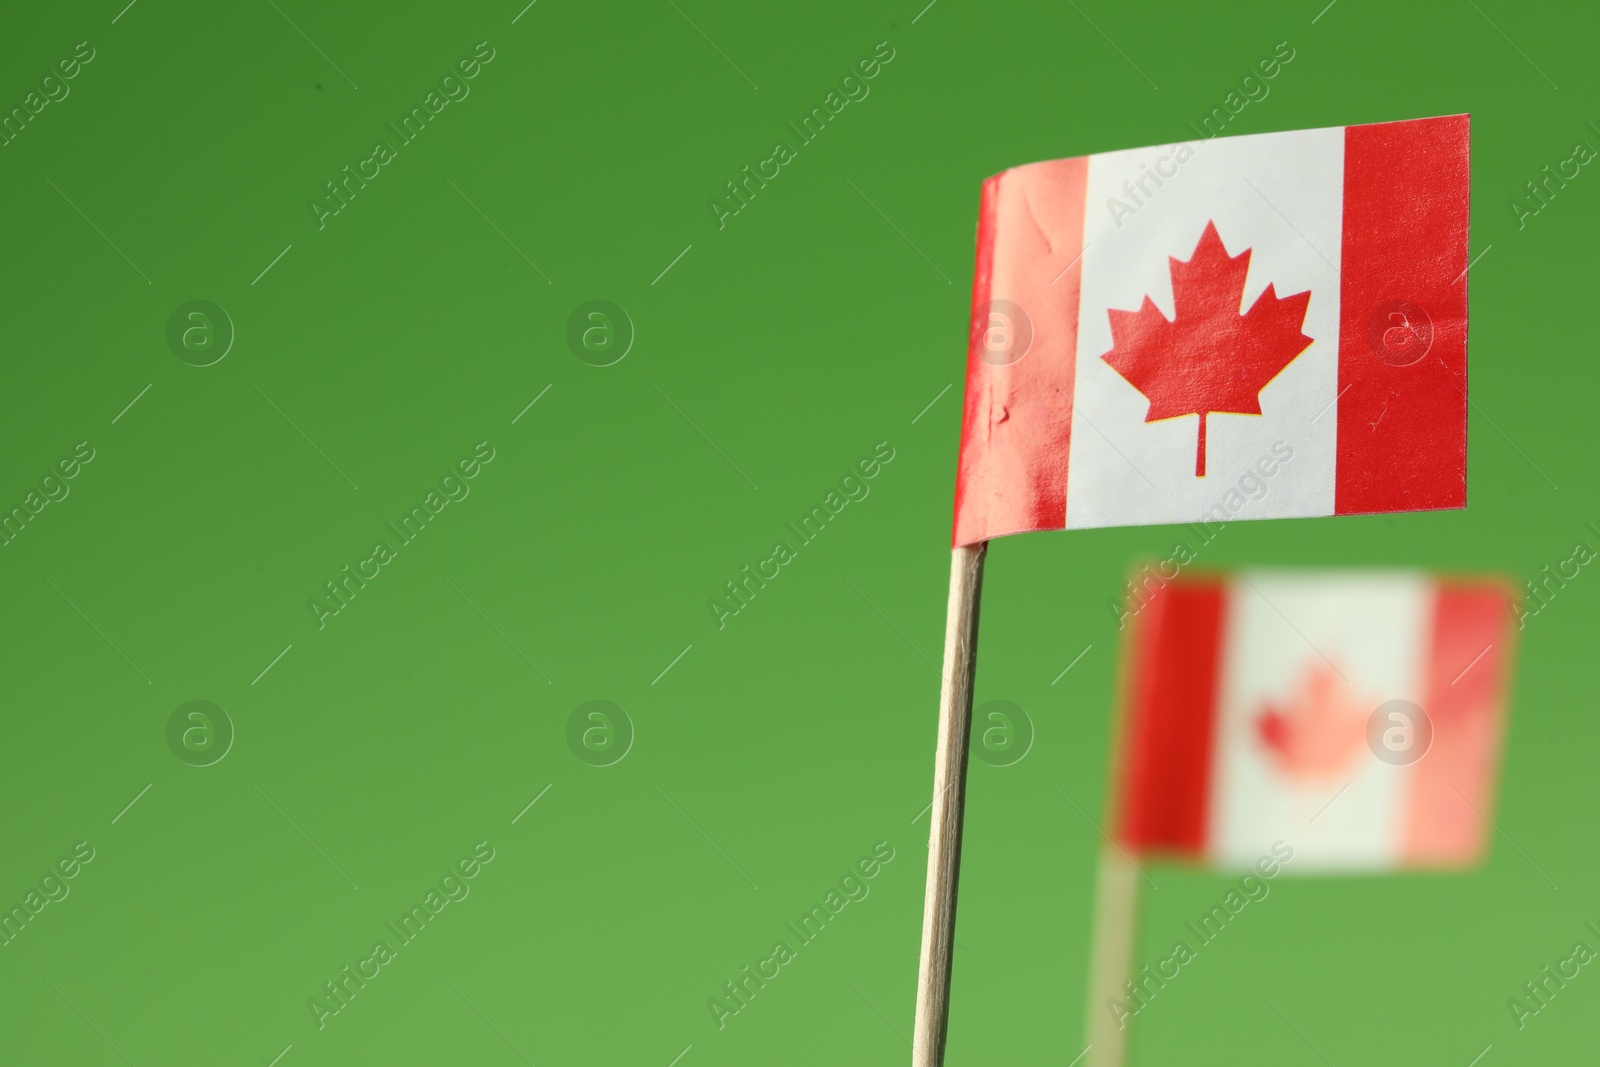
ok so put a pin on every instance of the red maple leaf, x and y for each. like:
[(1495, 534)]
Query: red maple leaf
[(1320, 729), (1209, 358)]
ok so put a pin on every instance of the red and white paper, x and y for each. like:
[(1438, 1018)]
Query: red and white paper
[(1152, 326), (1282, 706)]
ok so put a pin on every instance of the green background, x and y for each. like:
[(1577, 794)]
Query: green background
[(778, 750)]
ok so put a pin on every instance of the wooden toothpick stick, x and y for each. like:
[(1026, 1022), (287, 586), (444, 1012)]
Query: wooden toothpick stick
[(1112, 940), (949, 790)]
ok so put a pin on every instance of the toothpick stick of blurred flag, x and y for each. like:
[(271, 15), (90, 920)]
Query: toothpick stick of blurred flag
[(1267, 326)]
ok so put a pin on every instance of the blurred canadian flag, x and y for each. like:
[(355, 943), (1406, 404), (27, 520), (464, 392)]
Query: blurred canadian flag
[(1356, 715)]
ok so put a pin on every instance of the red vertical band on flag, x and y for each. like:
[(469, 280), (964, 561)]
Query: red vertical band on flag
[(1403, 317), (1022, 352), (1169, 717), (1452, 785)]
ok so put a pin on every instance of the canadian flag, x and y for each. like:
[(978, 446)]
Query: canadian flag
[(1245, 327), (1356, 716)]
